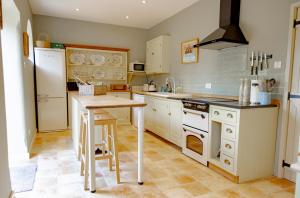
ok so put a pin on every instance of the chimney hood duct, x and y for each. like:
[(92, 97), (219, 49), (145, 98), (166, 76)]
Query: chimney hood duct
[(229, 33)]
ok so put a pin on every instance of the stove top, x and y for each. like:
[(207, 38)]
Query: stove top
[(206, 99)]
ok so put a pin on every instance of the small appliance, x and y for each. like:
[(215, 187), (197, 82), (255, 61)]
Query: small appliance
[(137, 67), (255, 89), (146, 87)]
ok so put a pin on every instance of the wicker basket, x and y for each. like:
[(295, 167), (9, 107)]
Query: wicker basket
[(43, 43), (92, 90)]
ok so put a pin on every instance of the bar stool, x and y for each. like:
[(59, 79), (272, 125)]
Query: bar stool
[(108, 145), (80, 145)]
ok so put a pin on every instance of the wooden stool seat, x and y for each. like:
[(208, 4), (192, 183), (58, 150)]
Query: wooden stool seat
[(107, 144)]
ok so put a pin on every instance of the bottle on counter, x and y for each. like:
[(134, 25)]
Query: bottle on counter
[(247, 91), (241, 92)]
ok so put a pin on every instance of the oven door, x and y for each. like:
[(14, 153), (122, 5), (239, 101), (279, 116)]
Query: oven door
[(196, 119), (195, 144)]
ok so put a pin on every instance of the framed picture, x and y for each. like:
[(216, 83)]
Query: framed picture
[(189, 54), (25, 44)]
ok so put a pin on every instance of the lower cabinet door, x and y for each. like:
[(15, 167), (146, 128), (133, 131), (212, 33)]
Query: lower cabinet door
[(176, 122), (162, 118)]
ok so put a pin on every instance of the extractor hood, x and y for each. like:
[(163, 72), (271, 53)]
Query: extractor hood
[(229, 33)]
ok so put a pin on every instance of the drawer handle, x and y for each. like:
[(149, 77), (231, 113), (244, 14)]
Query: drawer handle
[(229, 130), (217, 113), (228, 146), (154, 109), (202, 116), (226, 161), (229, 115)]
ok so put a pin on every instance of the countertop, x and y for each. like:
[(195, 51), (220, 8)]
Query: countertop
[(166, 95), (237, 105)]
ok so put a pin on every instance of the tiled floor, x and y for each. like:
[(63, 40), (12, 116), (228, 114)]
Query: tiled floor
[(168, 173)]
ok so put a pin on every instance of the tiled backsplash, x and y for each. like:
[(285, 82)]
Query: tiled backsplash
[(224, 74)]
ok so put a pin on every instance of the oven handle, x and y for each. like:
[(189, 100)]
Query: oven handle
[(201, 135), (202, 116)]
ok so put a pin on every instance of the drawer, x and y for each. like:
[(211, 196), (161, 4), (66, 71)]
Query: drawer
[(229, 116), (217, 114), (224, 115), (229, 132), (227, 162), (228, 147)]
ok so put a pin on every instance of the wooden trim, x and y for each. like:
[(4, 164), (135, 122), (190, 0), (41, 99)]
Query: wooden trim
[(163, 140), (25, 44), (224, 173), (97, 47), (276, 102)]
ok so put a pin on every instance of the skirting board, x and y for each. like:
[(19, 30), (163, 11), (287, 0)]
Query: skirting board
[(31, 144), (224, 173)]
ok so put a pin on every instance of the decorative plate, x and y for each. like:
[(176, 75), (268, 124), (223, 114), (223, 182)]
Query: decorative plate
[(77, 58), (115, 60), (97, 59)]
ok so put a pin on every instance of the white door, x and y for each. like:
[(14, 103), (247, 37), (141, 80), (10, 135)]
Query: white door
[(50, 73), (52, 114), (294, 109)]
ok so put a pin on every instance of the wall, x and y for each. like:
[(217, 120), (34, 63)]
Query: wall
[(89, 33), (28, 74), (265, 30), (5, 187)]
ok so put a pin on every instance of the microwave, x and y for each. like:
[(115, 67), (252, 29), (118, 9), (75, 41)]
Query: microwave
[(137, 67)]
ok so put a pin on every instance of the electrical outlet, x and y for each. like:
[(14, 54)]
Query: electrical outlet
[(207, 85), (277, 65)]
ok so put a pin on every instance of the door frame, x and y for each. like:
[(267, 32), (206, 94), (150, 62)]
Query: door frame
[(287, 89)]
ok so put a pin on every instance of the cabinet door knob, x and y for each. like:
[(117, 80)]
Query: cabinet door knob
[(216, 113), (226, 161), (184, 130), (229, 130), (202, 116), (229, 115), (228, 146), (169, 114)]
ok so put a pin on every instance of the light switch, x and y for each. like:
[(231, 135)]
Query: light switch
[(207, 85), (277, 64)]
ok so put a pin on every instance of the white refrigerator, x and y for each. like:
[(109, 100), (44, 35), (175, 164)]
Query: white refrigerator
[(51, 89)]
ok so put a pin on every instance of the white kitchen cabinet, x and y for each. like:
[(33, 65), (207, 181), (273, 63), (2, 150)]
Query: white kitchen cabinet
[(164, 118), (158, 55), (242, 141), (176, 109), (122, 114)]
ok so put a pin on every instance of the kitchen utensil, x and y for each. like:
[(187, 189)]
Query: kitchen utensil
[(152, 87), (270, 84), (266, 64), (252, 63), (261, 61)]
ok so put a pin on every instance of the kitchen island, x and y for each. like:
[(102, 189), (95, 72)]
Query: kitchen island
[(91, 103)]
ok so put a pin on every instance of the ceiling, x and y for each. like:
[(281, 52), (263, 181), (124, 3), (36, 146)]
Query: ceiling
[(142, 15)]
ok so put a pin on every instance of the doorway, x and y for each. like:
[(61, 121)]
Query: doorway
[(13, 83), (292, 102)]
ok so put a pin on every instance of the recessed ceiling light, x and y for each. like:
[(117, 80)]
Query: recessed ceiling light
[(127, 17), (77, 9), (144, 2)]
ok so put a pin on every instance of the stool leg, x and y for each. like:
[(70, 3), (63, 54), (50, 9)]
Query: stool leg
[(86, 166), (80, 139), (116, 155), (83, 149), (108, 136)]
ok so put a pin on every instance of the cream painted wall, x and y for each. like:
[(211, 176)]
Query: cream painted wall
[(89, 33), (28, 75), (5, 187)]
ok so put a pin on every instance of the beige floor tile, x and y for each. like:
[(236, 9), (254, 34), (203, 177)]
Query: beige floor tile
[(168, 173)]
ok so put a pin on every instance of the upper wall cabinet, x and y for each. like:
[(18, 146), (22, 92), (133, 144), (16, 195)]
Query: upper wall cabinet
[(158, 55)]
